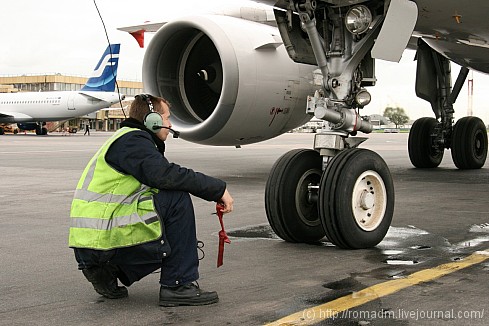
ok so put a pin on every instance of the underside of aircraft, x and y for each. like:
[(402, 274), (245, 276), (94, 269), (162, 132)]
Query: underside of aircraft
[(232, 82)]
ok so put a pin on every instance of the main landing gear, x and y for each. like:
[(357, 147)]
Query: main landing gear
[(429, 137), (336, 190), (469, 143), (40, 130)]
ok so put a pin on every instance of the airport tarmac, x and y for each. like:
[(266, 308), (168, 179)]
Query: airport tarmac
[(425, 271)]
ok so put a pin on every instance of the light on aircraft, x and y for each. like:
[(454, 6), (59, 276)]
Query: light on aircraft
[(363, 98), (358, 19)]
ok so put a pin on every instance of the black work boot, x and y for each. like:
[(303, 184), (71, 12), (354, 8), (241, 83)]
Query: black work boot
[(186, 295), (104, 281)]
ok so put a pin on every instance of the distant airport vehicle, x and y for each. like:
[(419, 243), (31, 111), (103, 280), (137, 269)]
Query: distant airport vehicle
[(234, 79), (30, 110)]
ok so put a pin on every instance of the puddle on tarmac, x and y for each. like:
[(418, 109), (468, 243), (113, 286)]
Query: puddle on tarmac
[(347, 283), (471, 243), (335, 290), (383, 273), (419, 247), (400, 262), (484, 227), (261, 231), (392, 252)]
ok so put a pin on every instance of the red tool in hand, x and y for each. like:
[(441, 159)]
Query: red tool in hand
[(223, 237)]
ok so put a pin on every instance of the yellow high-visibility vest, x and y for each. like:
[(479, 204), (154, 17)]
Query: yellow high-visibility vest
[(111, 209)]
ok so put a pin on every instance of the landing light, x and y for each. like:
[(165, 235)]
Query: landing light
[(358, 19), (363, 98)]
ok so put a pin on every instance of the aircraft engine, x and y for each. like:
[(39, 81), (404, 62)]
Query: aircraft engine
[(230, 81), (27, 125)]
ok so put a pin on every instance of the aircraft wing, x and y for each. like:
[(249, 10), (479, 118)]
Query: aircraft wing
[(91, 96), (251, 13), (146, 27), (14, 115), (4, 115), (98, 96), (137, 31)]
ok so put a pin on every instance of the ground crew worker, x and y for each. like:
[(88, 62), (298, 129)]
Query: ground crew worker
[(132, 213)]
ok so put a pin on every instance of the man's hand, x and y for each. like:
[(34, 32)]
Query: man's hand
[(227, 201)]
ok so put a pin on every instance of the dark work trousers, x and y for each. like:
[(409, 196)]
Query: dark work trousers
[(176, 253)]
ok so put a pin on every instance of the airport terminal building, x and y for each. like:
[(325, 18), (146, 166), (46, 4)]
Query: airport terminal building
[(102, 120)]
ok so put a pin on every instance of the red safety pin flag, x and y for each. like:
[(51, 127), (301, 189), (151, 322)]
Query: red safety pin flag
[(223, 237)]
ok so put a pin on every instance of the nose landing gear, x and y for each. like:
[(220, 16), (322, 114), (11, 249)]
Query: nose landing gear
[(337, 190)]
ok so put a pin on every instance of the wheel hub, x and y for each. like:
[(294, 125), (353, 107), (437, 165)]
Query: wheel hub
[(478, 144), (306, 197), (369, 200)]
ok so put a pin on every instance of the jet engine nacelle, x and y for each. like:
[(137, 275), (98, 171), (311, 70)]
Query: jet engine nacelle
[(27, 125), (230, 81)]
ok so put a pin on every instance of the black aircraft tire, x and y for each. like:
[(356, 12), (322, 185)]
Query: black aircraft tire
[(421, 151), (469, 143), (291, 215), (356, 183)]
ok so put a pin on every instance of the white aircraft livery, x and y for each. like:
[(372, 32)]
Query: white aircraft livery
[(30, 109), (244, 77)]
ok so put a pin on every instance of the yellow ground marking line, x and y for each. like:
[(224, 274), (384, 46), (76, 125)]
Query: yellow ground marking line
[(330, 309)]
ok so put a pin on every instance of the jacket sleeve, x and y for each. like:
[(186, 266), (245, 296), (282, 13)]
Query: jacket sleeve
[(136, 154)]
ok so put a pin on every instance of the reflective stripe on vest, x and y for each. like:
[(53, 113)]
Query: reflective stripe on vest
[(93, 223), (111, 209)]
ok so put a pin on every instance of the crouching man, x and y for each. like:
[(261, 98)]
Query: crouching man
[(132, 213)]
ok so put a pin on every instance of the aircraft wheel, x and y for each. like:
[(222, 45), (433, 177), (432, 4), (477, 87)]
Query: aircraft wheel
[(44, 131), (356, 199), (422, 153), (469, 143), (1, 131), (38, 130), (290, 205)]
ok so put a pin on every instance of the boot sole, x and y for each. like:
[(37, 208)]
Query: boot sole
[(176, 303), (112, 296)]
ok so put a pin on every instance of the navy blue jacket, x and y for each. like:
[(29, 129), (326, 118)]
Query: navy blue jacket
[(136, 153)]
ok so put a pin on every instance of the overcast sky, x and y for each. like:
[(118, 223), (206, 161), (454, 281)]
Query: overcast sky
[(67, 36)]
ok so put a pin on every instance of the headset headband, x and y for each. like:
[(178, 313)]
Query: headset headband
[(147, 98)]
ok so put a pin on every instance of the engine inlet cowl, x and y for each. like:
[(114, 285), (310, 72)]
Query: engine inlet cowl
[(230, 82)]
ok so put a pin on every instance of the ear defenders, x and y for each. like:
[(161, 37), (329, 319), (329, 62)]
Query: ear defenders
[(153, 120)]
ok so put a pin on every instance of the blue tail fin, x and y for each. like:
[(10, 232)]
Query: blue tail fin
[(104, 75)]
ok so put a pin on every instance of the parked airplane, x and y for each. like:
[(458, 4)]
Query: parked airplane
[(31, 109), (234, 81)]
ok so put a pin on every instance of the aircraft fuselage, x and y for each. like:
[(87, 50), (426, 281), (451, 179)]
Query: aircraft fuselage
[(52, 106)]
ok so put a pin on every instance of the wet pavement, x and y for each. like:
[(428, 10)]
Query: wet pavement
[(441, 217)]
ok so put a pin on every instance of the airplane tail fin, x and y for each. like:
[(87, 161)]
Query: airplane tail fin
[(104, 75)]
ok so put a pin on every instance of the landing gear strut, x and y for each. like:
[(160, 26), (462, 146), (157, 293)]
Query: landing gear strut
[(337, 189)]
